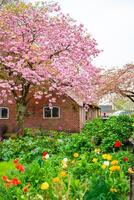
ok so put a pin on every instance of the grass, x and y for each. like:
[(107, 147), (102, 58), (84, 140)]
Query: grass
[(6, 167)]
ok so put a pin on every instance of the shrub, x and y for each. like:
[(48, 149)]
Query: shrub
[(116, 128), (30, 147), (95, 130)]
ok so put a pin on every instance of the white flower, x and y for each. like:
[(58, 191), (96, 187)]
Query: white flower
[(106, 163), (47, 156), (60, 140), (65, 160)]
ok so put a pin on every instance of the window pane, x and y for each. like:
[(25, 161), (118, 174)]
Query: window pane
[(47, 112), (55, 112), (4, 113)]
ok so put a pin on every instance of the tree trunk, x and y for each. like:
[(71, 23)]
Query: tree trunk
[(20, 116), (132, 187)]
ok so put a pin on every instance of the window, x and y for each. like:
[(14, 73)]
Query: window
[(51, 112), (4, 113)]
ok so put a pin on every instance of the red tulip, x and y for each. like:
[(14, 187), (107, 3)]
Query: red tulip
[(44, 154), (25, 189), (4, 178), (117, 144), (15, 181), (20, 167), (16, 161), (125, 159)]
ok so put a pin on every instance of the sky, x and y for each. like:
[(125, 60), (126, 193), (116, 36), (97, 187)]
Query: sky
[(111, 23)]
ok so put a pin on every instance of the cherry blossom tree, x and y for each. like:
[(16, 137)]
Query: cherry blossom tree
[(43, 51), (119, 81)]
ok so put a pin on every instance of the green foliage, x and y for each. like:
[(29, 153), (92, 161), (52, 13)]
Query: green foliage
[(101, 190), (87, 176), (82, 176), (5, 167), (30, 146), (108, 132), (95, 130)]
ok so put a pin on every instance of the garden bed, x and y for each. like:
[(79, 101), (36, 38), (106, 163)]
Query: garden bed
[(66, 166)]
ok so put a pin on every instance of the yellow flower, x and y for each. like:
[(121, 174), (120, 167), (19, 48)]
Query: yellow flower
[(76, 155), (56, 180), (95, 160), (114, 162), (44, 186), (63, 174), (113, 190), (97, 150), (115, 168), (104, 156), (130, 171), (103, 166), (107, 156)]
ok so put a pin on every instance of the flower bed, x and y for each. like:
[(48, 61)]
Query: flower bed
[(68, 167), (52, 176)]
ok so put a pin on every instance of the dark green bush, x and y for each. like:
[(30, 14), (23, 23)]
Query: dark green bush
[(108, 132), (95, 130)]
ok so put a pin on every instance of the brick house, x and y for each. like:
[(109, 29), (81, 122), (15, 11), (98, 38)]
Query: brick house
[(66, 114)]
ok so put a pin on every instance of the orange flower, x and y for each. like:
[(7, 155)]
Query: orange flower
[(8, 185), (56, 180), (63, 174), (15, 181), (114, 162), (114, 168), (20, 167), (4, 178), (8, 182), (16, 161), (25, 189)]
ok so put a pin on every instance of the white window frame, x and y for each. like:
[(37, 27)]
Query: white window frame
[(51, 112), (7, 113)]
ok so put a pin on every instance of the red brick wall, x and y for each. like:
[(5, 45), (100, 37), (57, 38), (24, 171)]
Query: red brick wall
[(68, 121)]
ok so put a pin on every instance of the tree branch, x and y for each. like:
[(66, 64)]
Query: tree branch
[(58, 52)]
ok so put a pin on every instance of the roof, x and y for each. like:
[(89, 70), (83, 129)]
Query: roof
[(76, 98), (79, 100)]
